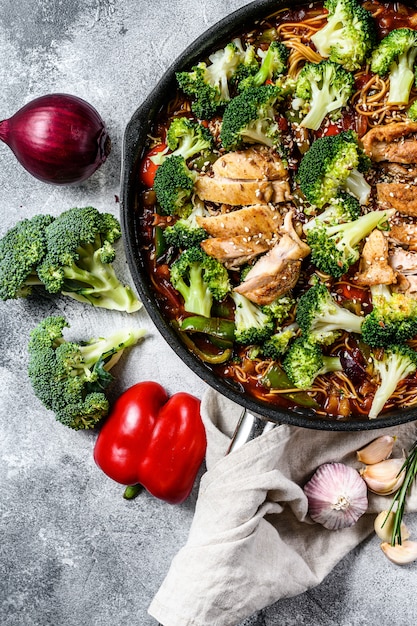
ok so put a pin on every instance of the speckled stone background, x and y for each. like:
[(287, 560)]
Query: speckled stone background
[(72, 551)]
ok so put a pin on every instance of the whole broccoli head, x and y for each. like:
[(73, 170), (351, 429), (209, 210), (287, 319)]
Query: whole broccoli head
[(252, 325), (321, 318), (174, 186), (78, 261), (22, 248), (304, 361), (334, 248), (393, 318), (349, 35), (273, 64), (397, 362), (69, 377), (199, 278), (325, 88), (250, 118), (333, 163), (395, 57)]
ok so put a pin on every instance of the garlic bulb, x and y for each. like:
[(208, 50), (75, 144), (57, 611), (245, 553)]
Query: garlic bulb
[(384, 523), (400, 554), (384, 478), (337, 496), (378, 450)]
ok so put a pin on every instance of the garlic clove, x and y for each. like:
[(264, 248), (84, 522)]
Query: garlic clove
[(378, 450), (385, 477), (400, 554), (383, 526), (337, 496)]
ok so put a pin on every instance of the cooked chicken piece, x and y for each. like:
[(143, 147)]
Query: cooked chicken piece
[(288, 228), (399, 196), (374, 268), (241, 193), (281, 275), (251, 220), (277, 271), (403, 261), (405, 235), (395, 142), (254, 163), (237, 250), (398, 171), (407, 285)]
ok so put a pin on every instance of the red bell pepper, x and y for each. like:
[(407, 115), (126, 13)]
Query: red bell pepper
[(147, 169), (153, 440)]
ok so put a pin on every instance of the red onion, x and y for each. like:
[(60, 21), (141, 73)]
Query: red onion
[(58, 138)]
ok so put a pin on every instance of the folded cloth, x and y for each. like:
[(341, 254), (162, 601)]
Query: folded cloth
[(251, 541)]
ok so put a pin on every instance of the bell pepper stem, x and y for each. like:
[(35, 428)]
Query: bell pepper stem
[(132, 491)]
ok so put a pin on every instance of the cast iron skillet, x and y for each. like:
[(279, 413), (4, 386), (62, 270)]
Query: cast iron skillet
[(134, 143)]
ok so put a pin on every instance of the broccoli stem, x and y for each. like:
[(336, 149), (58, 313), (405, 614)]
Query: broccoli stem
[(352, 233), (391, 370), (358, 187), (401, 79), (98, 286), (330, 364), (105, 348)]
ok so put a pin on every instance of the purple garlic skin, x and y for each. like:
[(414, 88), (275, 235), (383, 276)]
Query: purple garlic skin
[(337, 496)]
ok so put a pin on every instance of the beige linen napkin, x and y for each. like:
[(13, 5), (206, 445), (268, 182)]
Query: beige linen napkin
[(251, 541)]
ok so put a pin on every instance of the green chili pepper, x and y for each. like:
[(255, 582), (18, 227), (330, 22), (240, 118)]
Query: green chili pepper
[(276, 378), (207, 357), (219, 331)]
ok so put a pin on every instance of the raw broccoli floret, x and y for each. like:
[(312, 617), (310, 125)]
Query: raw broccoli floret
[(277, 344), (199, 278), (393, 318), (333, 163), (349, 35), (78, 261), (334, 248), (252, 325), (174, 186), (69, 377), (208, 83), (280, 308), (398, 361), (274, 63), (186, 232), (304, 361), (22, 248), (325, 88), (321, 318), (250, 118), (395, 57), (343, 208)]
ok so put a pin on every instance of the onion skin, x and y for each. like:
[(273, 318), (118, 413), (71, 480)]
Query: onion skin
[(58, 138)]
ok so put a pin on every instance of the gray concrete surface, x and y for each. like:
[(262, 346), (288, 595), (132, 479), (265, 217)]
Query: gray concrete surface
[(72, 551)]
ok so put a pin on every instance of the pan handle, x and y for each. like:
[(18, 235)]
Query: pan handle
[(248, 427)]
